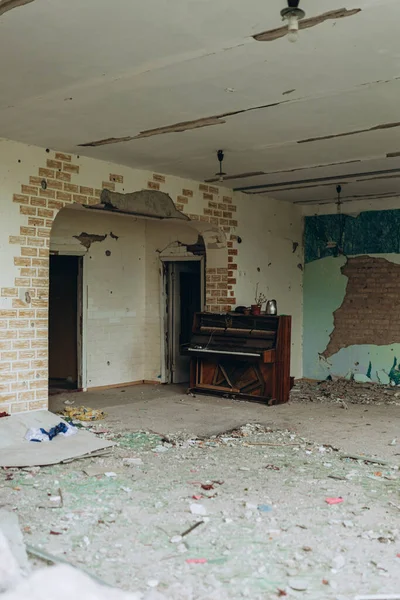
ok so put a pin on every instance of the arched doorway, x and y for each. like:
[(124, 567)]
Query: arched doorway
[(107, 304)]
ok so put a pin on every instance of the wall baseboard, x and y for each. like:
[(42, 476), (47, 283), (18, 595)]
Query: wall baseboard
[(122, 385)]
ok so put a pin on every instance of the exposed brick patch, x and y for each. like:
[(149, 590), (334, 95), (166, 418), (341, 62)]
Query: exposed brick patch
[(368, 314), (159, 178), (152, 185), (63, 157), (106, 185), (115, 178), (187, 193)]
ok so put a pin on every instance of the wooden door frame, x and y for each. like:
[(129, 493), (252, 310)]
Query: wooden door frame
[(82, 303), (165, 368)]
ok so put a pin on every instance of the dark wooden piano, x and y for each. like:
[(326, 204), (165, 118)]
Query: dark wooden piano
[(243, 356)]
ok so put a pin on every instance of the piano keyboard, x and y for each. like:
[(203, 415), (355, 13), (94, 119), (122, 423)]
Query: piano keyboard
[(209, 351)]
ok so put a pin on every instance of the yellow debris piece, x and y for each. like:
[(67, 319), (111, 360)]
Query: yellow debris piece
[(84, 413)]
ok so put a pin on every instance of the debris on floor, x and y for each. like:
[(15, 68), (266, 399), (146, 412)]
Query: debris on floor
[(83, 413), (17, 451), (130, 518), (342, 391)]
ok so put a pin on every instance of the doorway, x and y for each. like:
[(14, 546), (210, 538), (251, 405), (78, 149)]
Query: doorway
[(184, 297), (65, 322)]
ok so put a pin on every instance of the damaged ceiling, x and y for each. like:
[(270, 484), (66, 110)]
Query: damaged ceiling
[(175, 81)]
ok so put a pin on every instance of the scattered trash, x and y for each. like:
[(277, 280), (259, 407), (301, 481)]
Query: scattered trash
[(176, 539), (272, 467), (307, 548), (198, 509), (300, 585), (207, 486), (160, 449), (365, 459), (196, 561), (325, 582), (281, 593), (69, 402), (338, 562), (192, 528), (264, 508), (197, 496), (334, 500), (41, 435), (153, 583), (110, 474), (348, 524), (84, 413), (393, 442), (4, 414), (132, 461), (55, 532)]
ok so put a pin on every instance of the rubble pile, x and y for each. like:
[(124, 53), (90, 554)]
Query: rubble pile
[(342, 391)]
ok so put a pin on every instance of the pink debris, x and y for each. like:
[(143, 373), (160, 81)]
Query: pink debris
[(197, 497), (196, 561), (334, 500)]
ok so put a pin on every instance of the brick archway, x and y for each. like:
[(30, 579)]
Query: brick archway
[(24, 384)]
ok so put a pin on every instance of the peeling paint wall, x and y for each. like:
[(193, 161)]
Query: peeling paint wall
[(36, 184), (351, 322)]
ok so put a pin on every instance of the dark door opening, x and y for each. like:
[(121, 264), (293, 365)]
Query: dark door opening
[(183, 301), (65, 318)]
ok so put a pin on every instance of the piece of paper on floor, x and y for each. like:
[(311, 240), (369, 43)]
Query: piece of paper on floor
[(15, 451)]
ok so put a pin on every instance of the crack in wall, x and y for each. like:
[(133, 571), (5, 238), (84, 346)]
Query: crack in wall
[(275, 34), (7, 5), (182, 126), (295, 183), (347, 133)]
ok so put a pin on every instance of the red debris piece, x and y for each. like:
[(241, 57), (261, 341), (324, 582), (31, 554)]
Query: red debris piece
[(281, 593), (55, 532), (196, 561), (207, 486), (4, 414), (197, 497), (272, 467), (334, 500)]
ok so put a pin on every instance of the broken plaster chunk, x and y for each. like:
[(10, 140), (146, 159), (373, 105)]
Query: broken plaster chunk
[(198, 509), (129, 462), (176, 539), (300, 585)]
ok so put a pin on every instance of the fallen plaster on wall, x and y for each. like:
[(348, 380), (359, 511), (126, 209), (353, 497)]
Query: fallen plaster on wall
[(6, 5), (148, 203), (275, 34), (87, 239)]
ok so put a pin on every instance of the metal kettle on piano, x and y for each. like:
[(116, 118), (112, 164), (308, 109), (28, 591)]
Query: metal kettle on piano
[(271, 308)]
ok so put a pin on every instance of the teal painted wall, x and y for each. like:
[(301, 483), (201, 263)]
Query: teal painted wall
[(375, 234)]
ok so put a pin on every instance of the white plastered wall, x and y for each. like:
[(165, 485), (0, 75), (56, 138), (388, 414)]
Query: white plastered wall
[(271, 254)]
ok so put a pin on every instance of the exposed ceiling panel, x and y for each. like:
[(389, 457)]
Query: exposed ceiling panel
[(166, 84)]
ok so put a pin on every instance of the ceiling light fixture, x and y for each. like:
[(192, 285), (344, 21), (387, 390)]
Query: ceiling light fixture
[(293, 14), (220, 174)]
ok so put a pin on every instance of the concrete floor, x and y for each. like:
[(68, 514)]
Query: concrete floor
[(167, 409)]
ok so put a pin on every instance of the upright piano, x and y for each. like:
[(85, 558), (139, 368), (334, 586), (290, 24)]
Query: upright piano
[(243, 356)]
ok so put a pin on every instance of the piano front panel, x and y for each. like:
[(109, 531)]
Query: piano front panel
[(247, 356), (241, 377)]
